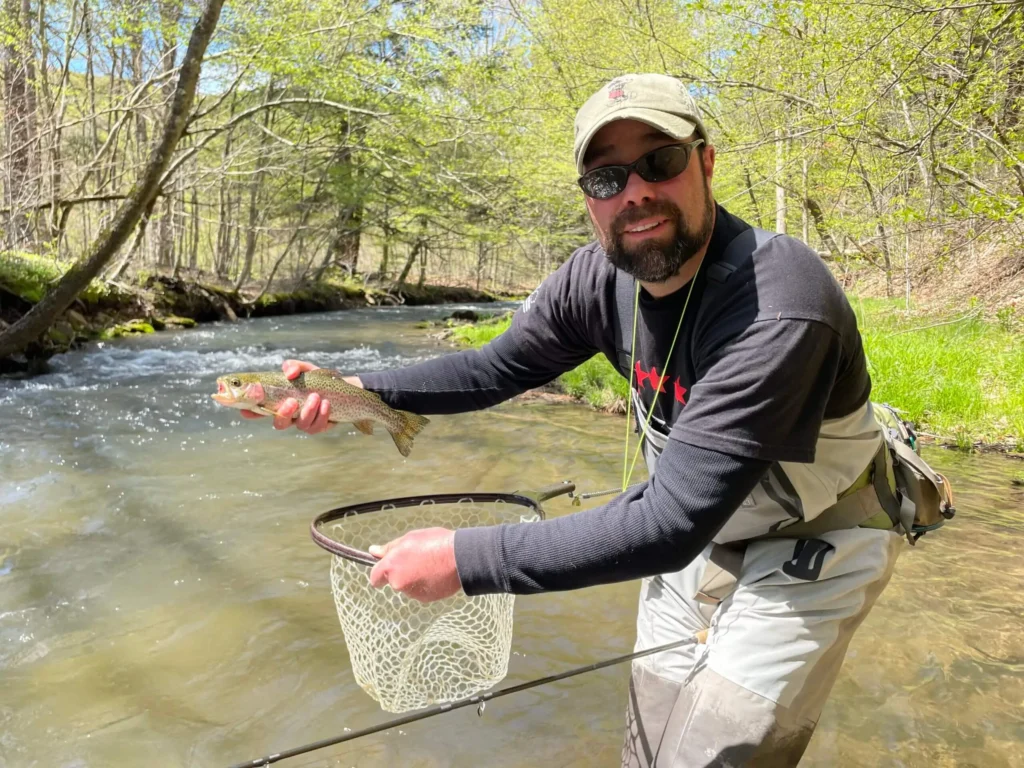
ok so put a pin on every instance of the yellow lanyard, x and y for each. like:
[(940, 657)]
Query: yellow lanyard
[(657, 385)]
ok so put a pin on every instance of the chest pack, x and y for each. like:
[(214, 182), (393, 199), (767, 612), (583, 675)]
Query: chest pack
[(898, 490)]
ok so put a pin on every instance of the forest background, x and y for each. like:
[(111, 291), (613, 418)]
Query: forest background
[(413, 143)]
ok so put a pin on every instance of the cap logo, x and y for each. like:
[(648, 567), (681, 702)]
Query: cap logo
[(617, 90)]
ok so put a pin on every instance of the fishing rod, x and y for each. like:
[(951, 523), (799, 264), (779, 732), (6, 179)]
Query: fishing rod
[(440, 709)]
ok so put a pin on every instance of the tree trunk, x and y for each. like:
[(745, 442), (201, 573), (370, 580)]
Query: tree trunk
[(193, 255), (18, 116), (423, 268), (883, 236), (819, 224), (753, 197), (41, 316), (252, 231), (344, 246), (140, 235), (780, 189), (804, 222), (170, 14), (413, 253)]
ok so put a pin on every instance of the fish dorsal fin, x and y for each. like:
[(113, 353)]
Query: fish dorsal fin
[(329, 372)]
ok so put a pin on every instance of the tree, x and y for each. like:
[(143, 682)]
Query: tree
[(58, 299)]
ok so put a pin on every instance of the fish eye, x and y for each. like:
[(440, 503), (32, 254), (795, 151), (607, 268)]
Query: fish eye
[(236, 382)]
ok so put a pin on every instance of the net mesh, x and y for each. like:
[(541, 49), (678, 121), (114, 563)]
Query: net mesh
[(407, 654)]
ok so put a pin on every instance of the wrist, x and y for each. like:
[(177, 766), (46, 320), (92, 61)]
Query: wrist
[(477, 563)]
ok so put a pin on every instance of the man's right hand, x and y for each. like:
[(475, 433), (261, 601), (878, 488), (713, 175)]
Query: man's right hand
[(315, 414)]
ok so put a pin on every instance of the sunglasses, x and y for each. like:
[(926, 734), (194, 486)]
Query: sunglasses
[(657, 165)]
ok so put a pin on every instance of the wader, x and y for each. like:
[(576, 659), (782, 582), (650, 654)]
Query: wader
[(775, 599)]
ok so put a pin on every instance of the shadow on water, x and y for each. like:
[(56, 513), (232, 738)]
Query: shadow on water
[(163, 605)]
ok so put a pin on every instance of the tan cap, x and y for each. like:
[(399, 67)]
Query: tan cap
[(658, 100)]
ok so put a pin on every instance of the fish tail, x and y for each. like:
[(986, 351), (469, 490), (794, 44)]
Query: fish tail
[(411, 425)]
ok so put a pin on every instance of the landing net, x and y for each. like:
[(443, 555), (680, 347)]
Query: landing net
[(404, 653)]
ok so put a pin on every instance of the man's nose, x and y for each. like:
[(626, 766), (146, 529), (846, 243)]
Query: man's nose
[(638, 191)]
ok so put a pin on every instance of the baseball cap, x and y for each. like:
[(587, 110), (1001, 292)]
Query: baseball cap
[(658, 100)]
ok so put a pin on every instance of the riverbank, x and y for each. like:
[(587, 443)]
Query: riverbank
[(957, 378), (155, 302)]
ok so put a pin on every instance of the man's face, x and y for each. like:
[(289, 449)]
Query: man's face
[(650, 229)]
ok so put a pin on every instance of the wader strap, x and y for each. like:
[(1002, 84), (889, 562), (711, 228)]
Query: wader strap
[(853, 508), (624, 290), (721, 574), (874, 497)]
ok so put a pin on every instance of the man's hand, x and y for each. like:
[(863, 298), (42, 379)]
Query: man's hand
[(420, 565), (315, 414)]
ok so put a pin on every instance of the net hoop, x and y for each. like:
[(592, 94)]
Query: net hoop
[(531, 500), (408, 654)]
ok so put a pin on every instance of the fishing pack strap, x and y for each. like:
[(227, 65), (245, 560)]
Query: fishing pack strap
[(925, 497), (870, 502), (739, 250)]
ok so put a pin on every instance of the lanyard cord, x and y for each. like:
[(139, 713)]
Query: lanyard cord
[(657, 385)]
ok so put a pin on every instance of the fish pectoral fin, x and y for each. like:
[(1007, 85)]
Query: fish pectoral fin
[(261, 410), (365, 426)]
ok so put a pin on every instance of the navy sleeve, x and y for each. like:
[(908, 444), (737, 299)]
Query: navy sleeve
[(550, 334), (658, 527)]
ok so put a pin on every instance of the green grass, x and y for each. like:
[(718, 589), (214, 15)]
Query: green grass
[(30, 276), (594, 382), (962, 381)]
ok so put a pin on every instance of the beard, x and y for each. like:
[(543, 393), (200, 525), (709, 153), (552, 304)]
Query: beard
[(652, 261)]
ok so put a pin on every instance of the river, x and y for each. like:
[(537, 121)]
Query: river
[(162, 604)]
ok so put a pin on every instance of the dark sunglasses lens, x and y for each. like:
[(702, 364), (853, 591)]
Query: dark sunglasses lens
[(664, 163), (603, 183)]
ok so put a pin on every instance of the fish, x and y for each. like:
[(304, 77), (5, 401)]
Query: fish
[(264, 391)]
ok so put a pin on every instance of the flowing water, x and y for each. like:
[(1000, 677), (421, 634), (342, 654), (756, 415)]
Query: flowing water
[(162, 604)]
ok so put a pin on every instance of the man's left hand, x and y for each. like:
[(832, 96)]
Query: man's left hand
[(420, 565)]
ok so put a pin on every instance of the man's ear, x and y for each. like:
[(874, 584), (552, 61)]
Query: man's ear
[(708, 156)]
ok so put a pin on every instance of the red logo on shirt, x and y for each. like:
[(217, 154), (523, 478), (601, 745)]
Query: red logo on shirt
[(657, 383)]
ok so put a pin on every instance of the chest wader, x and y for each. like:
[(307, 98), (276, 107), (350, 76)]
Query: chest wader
[(897, 490)]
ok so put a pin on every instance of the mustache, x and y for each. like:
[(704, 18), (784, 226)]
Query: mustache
[(632, 215)]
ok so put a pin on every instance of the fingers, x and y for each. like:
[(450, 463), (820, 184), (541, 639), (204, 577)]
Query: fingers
[(379, 575), (313, 413), (310, 410), (420, 565), (379, 572), (283, 419), (293, 368), (321, 420), (378, 550)]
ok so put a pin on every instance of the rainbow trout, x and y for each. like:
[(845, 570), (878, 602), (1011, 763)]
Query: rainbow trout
[(263, 392)]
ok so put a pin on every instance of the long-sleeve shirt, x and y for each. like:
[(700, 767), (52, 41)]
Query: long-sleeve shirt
[(753, 375)]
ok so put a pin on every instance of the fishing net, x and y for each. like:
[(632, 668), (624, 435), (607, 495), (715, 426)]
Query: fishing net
[(404, 653)]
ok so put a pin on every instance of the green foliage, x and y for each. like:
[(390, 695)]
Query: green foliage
[(30, 276), (130, 328), (959, 381), (450, 123)]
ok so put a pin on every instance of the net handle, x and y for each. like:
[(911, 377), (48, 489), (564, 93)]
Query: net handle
[(530, 499)]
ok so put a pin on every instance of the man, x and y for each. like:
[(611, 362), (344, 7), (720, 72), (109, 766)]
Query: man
[(751, 388)]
